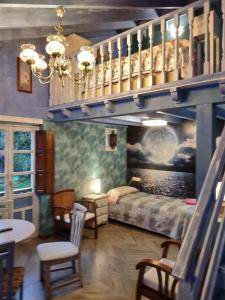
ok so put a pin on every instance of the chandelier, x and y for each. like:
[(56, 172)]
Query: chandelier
[(58, 63)]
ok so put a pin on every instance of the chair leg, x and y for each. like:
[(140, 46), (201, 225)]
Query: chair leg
[(41, 271), (21, 292), (96, 229), (47, 281), (74, 266), (80, 272), (138, 295)]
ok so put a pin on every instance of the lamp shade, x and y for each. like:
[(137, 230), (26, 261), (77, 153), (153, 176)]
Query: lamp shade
[(40, 65), (97, 185), (85, 58), (28, 53)]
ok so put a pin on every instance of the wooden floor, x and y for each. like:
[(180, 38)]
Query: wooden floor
[(108, 264)]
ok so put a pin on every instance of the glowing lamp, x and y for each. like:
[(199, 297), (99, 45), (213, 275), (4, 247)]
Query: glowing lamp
[(28, 54), (55, 46), (40, 65), (154, 122), (85, 58), (97, 186)]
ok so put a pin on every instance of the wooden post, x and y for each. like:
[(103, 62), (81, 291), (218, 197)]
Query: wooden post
[(129, 42), (110, 66), (102, 68), (80, 88), (206, 137), (150, 35), (163, 30), (94, 73), (223, 35), (139, 40), (190, 56), (176, 25), (119, 63), (206, 23)]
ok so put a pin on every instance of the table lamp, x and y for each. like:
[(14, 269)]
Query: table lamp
[(97, 186)]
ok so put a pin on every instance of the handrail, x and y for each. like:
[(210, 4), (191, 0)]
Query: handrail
[(153, 22), (195, 236)]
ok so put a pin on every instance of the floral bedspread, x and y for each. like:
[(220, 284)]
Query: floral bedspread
[(165, 215)]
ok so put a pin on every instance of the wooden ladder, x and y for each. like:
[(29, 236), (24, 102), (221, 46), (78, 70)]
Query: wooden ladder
[(198, 274)]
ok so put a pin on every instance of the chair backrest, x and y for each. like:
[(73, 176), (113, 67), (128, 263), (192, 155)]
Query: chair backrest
[(77, 225), (64, 198), (6, 267)]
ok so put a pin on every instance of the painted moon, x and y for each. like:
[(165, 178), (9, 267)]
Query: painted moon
[(160, 144)]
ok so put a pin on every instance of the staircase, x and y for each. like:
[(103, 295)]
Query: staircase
[(203, 277)]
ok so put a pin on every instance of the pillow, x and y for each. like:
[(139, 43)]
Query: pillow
[(115, 194), (190, 201)]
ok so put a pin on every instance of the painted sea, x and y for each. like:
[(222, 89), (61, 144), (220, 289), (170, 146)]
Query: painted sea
[(176, 184)]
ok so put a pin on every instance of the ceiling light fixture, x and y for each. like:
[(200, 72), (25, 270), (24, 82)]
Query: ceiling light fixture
[(58, 63), (154, 122)]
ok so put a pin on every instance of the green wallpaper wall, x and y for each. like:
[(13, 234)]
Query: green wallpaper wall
[(80, 157)]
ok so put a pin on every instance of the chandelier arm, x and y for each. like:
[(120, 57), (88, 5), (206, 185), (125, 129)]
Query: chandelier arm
[(37, 75)]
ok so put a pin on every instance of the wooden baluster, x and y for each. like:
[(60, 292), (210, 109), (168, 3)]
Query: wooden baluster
[(86, 80), (163, 31), (176, 25), (102, 68), (110, 66), (94, 73), (223, 36), (139, 39), (206, 24), (129, 43), (119, 63), (52, 92), (80, 88), (150, 35), (191, 42), (73, 94)]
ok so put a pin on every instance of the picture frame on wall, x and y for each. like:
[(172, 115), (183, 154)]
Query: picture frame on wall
[(24, 77)]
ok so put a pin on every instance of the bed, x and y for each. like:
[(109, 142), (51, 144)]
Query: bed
[(169, 216)]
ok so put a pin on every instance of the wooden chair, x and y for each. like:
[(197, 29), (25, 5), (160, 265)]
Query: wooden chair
[(56, 253), (11, 279), (157, 283), (63, 202)]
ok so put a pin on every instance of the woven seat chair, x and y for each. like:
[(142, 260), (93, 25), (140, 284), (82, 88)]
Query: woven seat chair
[(63, 202)]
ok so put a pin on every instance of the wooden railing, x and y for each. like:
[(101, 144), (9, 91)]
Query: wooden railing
[(198, 273), (180, 45)]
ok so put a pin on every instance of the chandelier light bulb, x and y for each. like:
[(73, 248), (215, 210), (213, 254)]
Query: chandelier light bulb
[(55, 48), (28, 54), (40, 65), (85, 58)]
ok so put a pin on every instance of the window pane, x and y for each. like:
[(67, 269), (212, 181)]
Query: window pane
[(2, 186), (22, 140), (22, 184), (22, 162), (2, 163), (2, 139)]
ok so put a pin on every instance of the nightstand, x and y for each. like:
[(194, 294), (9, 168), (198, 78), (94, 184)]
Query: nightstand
[(101, 201)]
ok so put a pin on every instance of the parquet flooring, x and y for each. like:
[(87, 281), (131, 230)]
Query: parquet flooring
[(108, 264)]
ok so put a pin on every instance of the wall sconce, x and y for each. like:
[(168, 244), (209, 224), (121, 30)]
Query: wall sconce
[(110, 139)]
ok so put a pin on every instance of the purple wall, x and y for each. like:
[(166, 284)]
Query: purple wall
[(16, 103)]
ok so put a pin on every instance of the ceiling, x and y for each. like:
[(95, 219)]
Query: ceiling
[(95, 20)]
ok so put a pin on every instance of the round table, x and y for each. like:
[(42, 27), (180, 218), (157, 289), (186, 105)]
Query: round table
[(22, 230)]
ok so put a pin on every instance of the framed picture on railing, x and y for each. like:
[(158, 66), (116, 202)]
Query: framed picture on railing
[(24, 77)]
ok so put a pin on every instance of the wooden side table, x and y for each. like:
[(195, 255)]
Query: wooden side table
[(101, 201)]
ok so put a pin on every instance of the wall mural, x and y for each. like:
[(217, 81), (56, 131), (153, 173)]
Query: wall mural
[(164, 158)]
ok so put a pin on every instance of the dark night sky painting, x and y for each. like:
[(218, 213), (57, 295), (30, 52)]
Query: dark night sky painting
[(164, 158)]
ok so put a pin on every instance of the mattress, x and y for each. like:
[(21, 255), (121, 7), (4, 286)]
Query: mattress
[(161, 214)]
